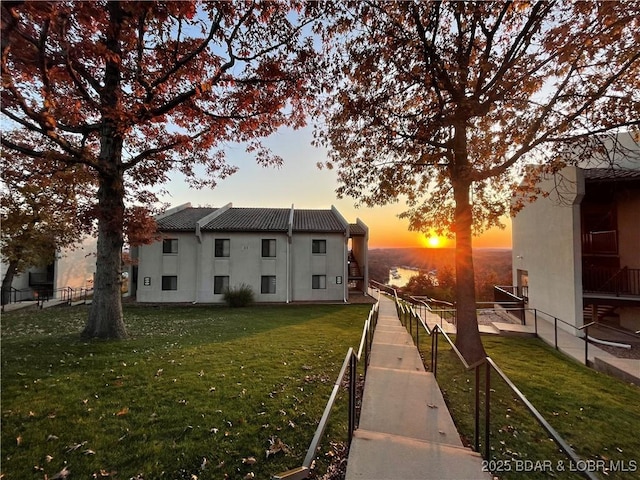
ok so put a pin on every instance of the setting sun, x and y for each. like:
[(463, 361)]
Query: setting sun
[(433, 241)]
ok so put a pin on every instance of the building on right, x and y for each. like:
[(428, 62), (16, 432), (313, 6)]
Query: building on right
[(576, 248)]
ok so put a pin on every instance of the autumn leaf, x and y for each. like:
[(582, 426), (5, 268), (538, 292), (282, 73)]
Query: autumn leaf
[(62, 474), (123, 411), (276, 446)]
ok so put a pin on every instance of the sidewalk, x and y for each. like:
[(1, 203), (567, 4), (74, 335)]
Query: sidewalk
[(569, 344), (405, 430)]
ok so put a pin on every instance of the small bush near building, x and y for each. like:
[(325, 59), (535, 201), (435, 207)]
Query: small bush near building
[(239, 296)]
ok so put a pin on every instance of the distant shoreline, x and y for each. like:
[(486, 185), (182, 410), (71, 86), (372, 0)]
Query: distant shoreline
[(443, 248)]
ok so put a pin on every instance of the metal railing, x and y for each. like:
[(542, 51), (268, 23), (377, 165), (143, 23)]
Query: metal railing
[(615, 281), (350, 365), (489, 365)]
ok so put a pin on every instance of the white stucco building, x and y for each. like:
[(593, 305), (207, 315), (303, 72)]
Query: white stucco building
[(576, 251), (283, 254)]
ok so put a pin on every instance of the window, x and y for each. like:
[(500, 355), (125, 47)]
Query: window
[(319, 282), (268, 284), (169, 282), (220, 284), (318, 246), (268, 247), (222, 247), (170, 245)]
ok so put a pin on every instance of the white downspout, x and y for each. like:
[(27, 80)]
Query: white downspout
[(289, 240), (345, 263)]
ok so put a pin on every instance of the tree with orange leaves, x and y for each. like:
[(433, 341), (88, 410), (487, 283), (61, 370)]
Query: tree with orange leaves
[(135, 90), (42, 210), (440, 103)]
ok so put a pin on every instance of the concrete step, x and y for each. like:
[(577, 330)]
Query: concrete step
[(380, 456), (408, 404), (10, 307), (399, 357), (514, 330)]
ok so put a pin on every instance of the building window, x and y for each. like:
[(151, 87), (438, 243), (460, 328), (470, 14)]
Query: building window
[(268, 247), (170, 245), (268, 284), (319, 282), (169, 282), (222, 247), (220, 284), (318, 246)]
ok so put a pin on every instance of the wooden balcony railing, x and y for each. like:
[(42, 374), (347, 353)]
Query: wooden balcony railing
[(600, 243)]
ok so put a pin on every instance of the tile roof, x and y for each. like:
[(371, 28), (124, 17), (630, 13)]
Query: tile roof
[(183, 220), (356, 230), (257, 220), (251, 220), (325, 221), (610, 174)]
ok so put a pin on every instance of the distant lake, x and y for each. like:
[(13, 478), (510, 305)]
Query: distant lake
[(399, 276)]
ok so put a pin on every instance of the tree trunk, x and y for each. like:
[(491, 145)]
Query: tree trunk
[(105, 316), (7, 281), (468, 339), (468, 335)]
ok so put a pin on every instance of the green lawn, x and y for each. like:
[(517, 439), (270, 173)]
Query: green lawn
[(598, 415), (196, 392)]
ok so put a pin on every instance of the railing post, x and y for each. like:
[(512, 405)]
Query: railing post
[(535, 320), (352, 396), (434, 352), (476, 434), (555, 332), (586, 346), (418, 334), (487, 412)]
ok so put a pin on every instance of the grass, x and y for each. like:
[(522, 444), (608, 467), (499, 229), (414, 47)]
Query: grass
[(196, 392), (598, 415)]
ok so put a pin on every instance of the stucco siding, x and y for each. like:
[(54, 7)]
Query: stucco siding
[(306, 264), (546, 244)]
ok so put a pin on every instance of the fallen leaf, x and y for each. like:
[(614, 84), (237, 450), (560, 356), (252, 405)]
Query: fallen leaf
[(48, 458), (62, 474), (159, 372), (431, 405), (122, 412), (275, 446), (249, 476), (249, 460), (19, 440), (76, 446)]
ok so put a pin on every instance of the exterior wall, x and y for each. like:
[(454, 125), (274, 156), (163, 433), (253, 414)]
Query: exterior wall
[(244, 265), (305, 264), (195, 265), (547, 244), (153, 265), (76, 267)]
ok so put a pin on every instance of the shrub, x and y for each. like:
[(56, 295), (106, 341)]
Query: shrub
[(239, 296)]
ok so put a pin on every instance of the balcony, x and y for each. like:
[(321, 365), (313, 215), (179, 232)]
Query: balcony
[(604, 242), (611, 281)]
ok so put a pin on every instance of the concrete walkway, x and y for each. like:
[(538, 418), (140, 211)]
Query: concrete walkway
[(405, 430), (573, 346), (569, 344)]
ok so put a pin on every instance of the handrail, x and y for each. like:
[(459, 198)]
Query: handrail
[(541, 420), (351, 360), (489, 363)]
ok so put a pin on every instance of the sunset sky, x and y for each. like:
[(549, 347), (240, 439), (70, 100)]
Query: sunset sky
[(301, 183)]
